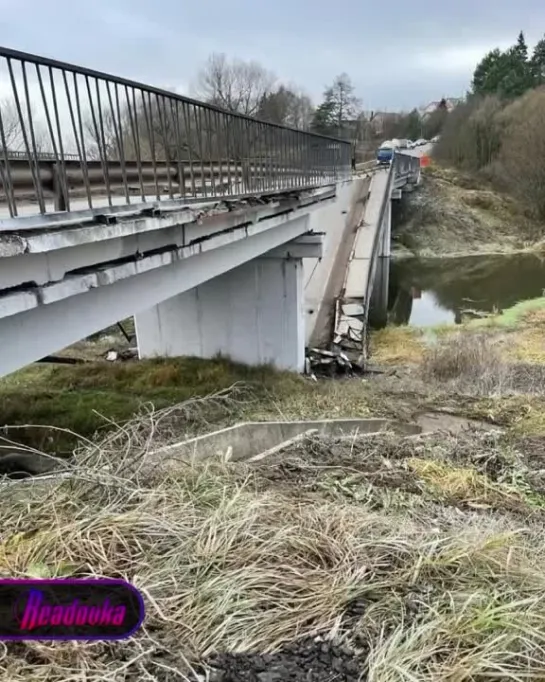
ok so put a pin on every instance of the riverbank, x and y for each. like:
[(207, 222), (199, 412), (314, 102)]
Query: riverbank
[(55, 408), (455, 214), (380, 557)]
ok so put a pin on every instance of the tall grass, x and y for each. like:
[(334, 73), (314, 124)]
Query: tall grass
[(238, 557)]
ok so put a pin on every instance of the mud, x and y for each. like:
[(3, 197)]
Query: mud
[(308, 660)]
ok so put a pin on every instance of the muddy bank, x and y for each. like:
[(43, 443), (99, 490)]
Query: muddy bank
[(452, 214)]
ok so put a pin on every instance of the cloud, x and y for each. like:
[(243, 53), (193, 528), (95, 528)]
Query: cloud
[(455, 58), (398, 54)]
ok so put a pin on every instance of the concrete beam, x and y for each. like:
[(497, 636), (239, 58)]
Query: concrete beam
[(93, 278), (47, 256), (306, 246), (42, 330)]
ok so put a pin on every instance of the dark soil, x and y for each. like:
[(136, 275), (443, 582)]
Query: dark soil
[(307, 660), (355, 468)]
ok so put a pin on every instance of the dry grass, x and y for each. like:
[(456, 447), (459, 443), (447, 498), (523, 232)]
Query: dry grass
[(397, 346), (462, 355), (331, 538), (482, 364), (453, 214)]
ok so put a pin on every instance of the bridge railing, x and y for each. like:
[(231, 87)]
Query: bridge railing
[(87, 140)]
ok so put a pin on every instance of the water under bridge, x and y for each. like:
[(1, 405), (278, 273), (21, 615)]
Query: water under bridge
[(218, 232)]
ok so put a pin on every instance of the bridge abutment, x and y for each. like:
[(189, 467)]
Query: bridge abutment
[(252, 314)]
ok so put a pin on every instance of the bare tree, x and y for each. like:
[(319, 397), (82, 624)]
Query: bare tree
[(287, 106), (14, 129), (235, 85), (522, 154)]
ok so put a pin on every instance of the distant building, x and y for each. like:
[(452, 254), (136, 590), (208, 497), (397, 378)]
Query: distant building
[(451, 102), (380, 120)]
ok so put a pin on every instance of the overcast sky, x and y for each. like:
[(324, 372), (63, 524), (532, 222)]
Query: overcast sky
[(399, 54)]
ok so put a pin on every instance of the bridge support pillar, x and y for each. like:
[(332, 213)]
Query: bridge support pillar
[(386, 246), (253, 314)]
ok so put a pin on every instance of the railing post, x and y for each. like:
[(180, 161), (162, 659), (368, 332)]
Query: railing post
[(59, 198)]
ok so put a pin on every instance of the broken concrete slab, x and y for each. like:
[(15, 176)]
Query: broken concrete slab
[(353, 309), (248, 439)]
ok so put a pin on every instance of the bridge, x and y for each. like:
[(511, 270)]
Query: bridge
[(218, 232)]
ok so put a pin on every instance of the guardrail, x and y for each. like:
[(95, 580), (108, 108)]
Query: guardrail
[(89, 139), (41, 156), (401, 165)]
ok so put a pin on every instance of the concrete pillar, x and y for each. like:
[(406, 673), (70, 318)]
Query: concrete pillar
[(252, 314), (386, 245), (378, 312)]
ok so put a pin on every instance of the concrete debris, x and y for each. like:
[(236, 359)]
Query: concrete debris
[(349, 334), (330, 362), (11, 245), (353, 310), (122, 355)]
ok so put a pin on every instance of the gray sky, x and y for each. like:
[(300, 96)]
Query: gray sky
[(399, 54)]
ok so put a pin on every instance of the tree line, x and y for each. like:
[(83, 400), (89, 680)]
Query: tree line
[(499, 130)]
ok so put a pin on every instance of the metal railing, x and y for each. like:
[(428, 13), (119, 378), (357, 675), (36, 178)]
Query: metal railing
[(88, 140), (42, 156)]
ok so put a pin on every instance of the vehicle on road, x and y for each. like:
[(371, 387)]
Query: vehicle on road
[(403, 144), (385, 153)]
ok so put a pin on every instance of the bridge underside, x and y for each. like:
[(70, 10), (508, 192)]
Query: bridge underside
[(230, 283)]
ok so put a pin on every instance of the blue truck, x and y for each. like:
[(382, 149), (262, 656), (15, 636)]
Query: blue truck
[(385, 154)]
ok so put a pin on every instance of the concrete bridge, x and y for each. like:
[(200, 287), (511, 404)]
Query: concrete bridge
[(218, 232)]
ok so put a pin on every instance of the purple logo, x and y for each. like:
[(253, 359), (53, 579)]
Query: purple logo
[(69, 609)]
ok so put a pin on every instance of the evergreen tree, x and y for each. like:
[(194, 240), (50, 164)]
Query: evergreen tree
[(537, 63), (324, 120), (521, 48), (489, 73), (507, 74)]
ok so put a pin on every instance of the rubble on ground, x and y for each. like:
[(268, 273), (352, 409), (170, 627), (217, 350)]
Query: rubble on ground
[(113, 355)]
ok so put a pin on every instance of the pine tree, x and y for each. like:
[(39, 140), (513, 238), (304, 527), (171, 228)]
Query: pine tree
[(521, 48), (507, 74), (324, 121), (339, 106), (537, 63)]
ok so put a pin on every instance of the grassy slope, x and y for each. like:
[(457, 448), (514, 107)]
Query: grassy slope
[(453, 214), (90, 397), (79, 397)]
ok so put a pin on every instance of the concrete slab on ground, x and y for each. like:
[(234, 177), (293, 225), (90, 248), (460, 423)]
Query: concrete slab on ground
[(249, 439)]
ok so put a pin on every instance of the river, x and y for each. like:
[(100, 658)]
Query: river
[(443, 290)]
